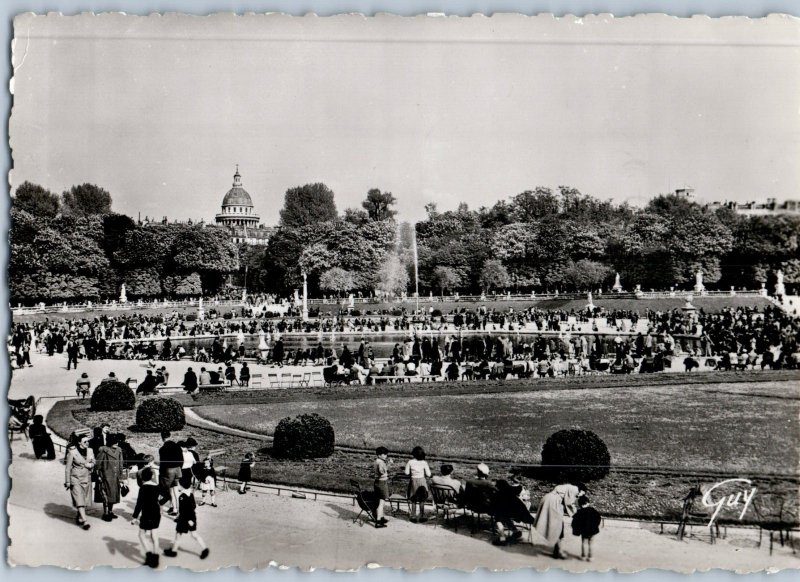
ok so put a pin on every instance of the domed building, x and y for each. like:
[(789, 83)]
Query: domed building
[(239, 216)]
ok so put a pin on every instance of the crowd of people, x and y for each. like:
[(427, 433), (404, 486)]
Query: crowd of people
[(506, 501), (97, 468)]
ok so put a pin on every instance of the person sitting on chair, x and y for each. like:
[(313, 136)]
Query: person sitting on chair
[(478, 492), (446, 479), (453, 371), (148, 385), (244, 375), (507, 509)]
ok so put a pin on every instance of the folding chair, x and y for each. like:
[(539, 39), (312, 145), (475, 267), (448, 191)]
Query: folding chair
[(256, 380), (274, 382), (366, 502), (316, 379), (306, 381), (444, 500), (286, 380), (297, 380)]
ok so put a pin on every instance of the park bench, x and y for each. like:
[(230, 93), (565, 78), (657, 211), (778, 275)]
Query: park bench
[(214, 387)]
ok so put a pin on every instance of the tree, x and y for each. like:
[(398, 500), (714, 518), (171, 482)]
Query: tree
[(85, 200), (143, 283), (36, 200), (183, 285), (585, 274), (355, 216), (494, 275), (336, 279), (446, 278), (308, 205), (532, 205), (378, 205)]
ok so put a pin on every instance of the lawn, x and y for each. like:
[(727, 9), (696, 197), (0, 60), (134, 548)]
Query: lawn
[(653, 495), (747, 428)]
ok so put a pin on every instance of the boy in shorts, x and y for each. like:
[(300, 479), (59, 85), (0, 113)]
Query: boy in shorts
[(381, 484)]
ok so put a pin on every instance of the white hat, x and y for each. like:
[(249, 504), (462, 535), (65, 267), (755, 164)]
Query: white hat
[(483, 468)]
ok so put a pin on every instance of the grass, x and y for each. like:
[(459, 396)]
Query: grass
[(713, 427), (643, 496)]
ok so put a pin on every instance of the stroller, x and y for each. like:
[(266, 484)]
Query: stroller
[(367, 503)]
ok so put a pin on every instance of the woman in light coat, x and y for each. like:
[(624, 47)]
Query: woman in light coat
[(550, 515), (78, 475)]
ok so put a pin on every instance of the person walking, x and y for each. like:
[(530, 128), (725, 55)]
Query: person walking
[(78, 475), (186, 523), (109, 464), (170, 459), (148, 507), (72, 353)]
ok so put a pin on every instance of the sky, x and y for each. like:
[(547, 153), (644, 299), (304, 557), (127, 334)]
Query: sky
[(158, 110)]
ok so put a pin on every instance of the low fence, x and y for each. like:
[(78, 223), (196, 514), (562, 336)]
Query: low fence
[(409, 300)]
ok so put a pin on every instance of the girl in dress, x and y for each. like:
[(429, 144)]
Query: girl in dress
[(208, 482), (245, 472), (417, 469)]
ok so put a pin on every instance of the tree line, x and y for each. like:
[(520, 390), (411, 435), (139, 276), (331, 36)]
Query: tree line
[(74, 247)]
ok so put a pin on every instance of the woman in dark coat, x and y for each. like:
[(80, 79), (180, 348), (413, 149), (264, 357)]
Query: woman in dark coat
[(42, 443), (109, 465)]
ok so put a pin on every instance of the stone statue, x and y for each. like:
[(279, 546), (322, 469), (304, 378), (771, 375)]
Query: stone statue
[(123, 298), (617, 284), (780, 288), (698, 282)]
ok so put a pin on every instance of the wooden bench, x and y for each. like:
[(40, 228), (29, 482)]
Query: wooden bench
[(214, 387), (401, 379)]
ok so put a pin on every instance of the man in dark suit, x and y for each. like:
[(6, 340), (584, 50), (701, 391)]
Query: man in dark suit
[(100, 438), (148, 385)]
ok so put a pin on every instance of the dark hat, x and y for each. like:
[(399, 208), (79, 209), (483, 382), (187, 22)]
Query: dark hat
[(190, 442)]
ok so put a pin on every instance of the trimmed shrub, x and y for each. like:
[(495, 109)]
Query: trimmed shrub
[(227, 315), (191, 317), (157, 414), (355, 312), (575, 455), (307, 436), (436, 313), (113, 395)]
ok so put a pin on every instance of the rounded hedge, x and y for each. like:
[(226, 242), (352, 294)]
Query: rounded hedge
[(157, 414), (113, 395), (307, 436), (575, 455)]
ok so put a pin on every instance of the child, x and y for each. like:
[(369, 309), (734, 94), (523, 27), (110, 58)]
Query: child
[(586, 523), (208, 481), (186, 523), (149, 463), (418, 469), (147, 505), (381, 484), (245, 472)]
